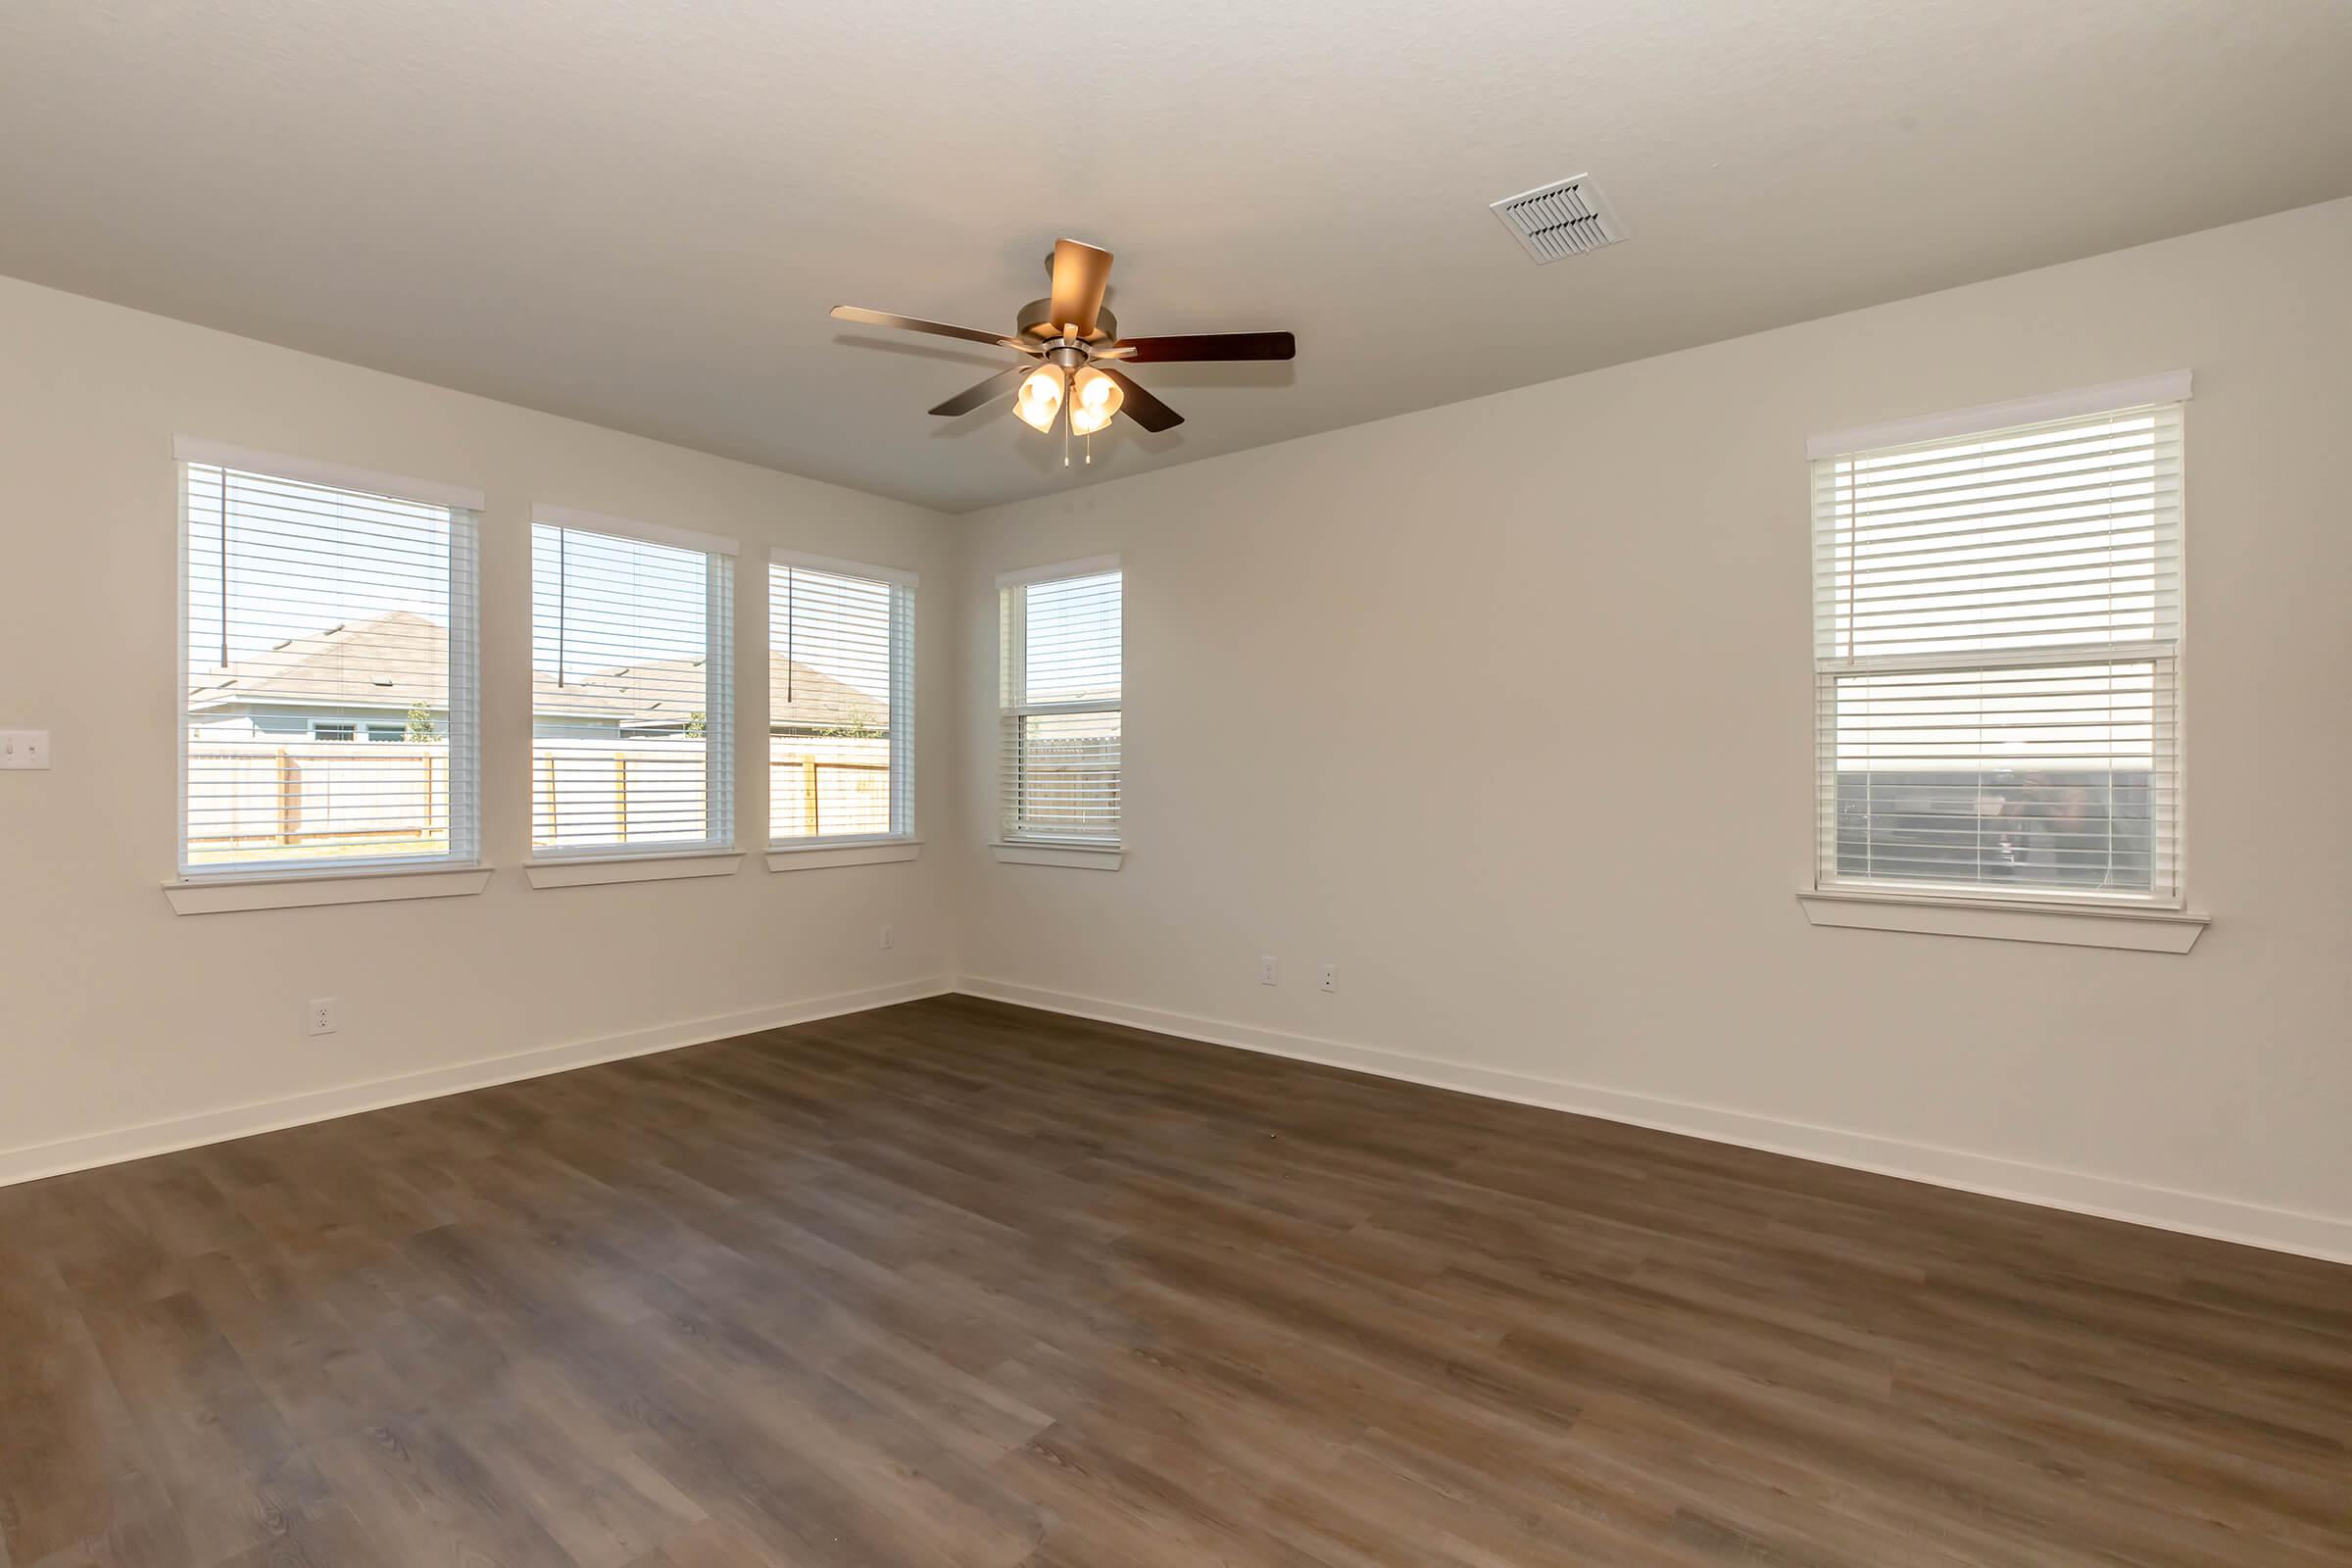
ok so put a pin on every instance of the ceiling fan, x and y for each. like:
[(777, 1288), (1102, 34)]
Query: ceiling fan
[(1074, 349)]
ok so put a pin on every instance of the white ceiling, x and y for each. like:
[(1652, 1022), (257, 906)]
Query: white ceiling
[(637, 212)]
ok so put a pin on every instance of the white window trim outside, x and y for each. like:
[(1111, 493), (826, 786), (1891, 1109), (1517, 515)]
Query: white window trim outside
[(1016, 849), (593, 863), (2163, 923), (902, 842), (351, 879)]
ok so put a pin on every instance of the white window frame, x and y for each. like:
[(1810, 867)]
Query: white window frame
[(903, 587), (1012, 845), (349, 874), (1976, 910), (613, 861)]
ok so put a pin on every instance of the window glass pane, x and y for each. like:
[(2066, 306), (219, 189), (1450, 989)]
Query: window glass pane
[(2001, 778), (1062, 652), (2046, 537), (623, 695), (831, 674), (1069, 774), (310, 611), (1073, 640)]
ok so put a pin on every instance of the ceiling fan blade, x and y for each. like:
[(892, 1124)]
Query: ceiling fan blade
[(1002, 384), (1140, 405), (1081, 272), (916, 323), (1211, 346)]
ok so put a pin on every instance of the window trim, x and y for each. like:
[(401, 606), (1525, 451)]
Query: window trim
[(718, 719), (2121, 920), (354, 879), (904, 832), (383, 884), (1010, 846), (2136, 929)]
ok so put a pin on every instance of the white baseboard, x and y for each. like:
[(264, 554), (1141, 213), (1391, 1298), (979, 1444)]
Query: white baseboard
[(2167, 1208), (324, 1104)]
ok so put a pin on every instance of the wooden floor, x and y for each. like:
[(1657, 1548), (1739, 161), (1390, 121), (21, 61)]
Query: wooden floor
[(956, 1282)]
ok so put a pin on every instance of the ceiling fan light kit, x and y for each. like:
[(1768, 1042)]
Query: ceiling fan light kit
[(1076, 347)]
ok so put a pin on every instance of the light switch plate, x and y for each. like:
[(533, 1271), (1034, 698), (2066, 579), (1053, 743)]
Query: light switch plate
[(23, 748)]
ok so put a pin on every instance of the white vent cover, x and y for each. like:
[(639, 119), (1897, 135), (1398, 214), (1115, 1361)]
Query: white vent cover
[(1566, 217)]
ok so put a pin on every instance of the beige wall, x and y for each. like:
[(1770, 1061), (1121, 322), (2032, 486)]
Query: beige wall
[(1593, 591), (1505, 708), (113, 1011)]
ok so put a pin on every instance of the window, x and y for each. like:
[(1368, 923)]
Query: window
[(308, 588), (840, 701), (1060, 707), (1997, 632), (631, 687)]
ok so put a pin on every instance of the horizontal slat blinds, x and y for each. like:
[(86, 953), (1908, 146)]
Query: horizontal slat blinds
[(1059, 747), (1998, 620), (630, 694), (329, 716), (840, 702)]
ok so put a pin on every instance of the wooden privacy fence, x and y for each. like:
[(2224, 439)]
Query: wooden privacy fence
[(376, 796), (808, 795), (381, 796), (648, 790)]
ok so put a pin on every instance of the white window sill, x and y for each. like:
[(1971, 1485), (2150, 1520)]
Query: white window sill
[(818, 854), (229, 894), (2139, 930), (591, 870), (1081, 857)]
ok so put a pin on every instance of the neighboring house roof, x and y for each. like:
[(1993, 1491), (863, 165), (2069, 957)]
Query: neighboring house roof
[(400, 659)]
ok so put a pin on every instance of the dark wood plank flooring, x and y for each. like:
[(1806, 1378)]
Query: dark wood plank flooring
[(959, 1284)]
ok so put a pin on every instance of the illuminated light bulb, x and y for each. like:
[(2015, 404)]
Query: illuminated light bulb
[(1040, 397), (1099, 398)]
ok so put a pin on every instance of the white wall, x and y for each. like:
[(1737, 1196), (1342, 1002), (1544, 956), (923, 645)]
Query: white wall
[(1505, 707), (115, 1012), (1595, 590)]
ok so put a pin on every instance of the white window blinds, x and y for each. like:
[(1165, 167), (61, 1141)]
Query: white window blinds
[(1060, 707), (840, 701), (631, 687), (320, 606), (1998, 621)]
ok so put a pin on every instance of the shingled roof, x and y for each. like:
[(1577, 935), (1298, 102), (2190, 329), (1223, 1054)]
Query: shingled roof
[(400, 659)]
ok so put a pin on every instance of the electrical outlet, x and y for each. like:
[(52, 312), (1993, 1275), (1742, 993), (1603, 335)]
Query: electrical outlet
[(325, 1015), (1331, 977), (24, 749), (889, 938), (1266, 970)]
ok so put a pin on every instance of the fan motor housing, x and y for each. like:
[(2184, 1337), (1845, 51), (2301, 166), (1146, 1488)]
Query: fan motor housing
[(1037, 321)]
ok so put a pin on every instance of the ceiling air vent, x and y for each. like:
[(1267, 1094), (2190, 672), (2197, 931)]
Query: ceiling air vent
[(1566, 217)]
